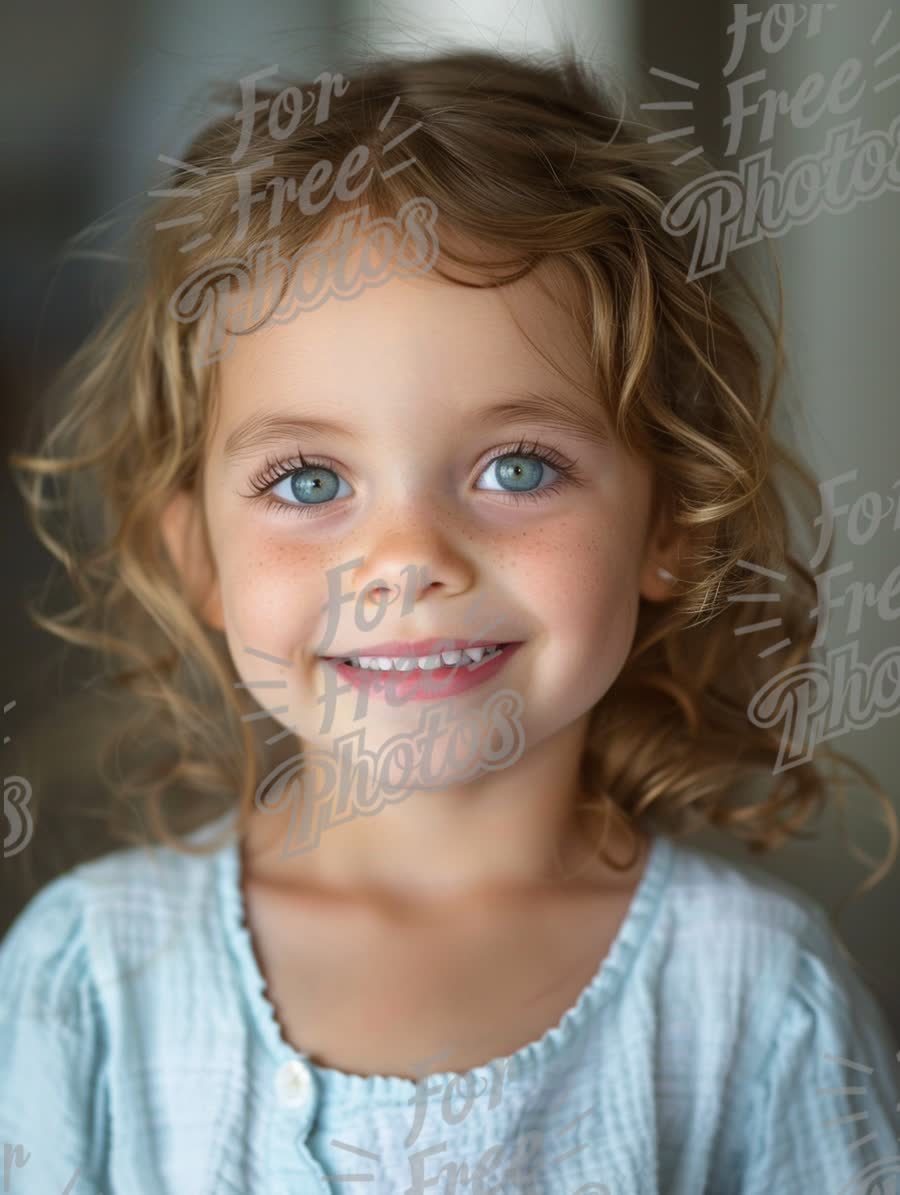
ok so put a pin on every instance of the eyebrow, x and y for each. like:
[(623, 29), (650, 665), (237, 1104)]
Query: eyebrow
[(266, 429), (550, 410)]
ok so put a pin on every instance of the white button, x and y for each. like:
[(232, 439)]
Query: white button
[(293, 1083)]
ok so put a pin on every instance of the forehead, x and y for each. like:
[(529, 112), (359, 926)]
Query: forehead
[(409, 329)]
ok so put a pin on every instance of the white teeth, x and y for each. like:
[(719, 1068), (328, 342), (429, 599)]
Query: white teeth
[(466, 656)]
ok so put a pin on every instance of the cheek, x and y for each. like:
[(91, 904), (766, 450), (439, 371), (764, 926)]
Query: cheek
[(579, 571), (272, 597), (582, 583)]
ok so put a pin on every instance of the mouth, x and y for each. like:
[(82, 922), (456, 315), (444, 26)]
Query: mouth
[(468, 658)]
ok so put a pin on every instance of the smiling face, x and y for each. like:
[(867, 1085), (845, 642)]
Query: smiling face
[(408, 404)]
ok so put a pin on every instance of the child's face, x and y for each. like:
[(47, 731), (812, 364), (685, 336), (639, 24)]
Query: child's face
[(410, 369)]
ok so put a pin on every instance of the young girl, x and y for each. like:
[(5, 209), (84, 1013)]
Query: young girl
[(423, 476)]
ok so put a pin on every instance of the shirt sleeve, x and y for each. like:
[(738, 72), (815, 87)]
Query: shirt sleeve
[(52, 1096), (823, 1112)]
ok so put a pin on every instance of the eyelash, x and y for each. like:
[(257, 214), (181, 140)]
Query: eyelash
[(276, 470)]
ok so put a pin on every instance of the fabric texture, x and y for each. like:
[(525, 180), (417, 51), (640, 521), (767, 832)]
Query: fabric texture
[(723, 1046)]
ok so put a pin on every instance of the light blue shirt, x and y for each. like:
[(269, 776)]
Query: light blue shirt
[(723, 1046)]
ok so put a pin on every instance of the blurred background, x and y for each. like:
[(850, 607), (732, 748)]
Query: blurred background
[(95, 91)]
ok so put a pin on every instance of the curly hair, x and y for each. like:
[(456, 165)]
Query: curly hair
[(527, 159)]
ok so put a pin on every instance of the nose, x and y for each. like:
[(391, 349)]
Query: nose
[(415, 568)]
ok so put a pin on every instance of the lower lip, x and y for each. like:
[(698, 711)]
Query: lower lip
[(423, 684)]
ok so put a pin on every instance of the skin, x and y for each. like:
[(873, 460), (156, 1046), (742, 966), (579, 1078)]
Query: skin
[(406, 364)]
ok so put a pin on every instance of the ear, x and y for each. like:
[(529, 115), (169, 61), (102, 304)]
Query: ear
[(663, 549), (186, 540)]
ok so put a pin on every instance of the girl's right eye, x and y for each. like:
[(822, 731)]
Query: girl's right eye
[(306, 485), (312, 485)]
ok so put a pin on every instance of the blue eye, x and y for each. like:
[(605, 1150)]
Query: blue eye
[(518, 473), (311, 486)]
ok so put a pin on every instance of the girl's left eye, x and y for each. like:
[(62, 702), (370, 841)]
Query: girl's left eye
[(521, 473), (310, 484)]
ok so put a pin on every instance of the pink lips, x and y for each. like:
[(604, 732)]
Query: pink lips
[(430, 684), (408, 647)]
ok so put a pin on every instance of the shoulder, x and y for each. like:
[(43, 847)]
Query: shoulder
[(756, 1006), (741, 952), (43, 957), (759, 964), (706, 886), (106, 1022), (99, 924), (741, 909)]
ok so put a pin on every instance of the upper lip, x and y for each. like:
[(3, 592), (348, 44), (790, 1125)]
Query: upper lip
[(419, 647)]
